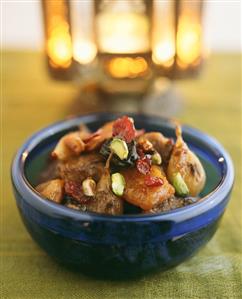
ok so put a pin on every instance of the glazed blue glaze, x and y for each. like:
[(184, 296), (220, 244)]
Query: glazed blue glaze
[(127, 245)]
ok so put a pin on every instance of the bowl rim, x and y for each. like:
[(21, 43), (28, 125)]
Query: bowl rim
[(32, 197)]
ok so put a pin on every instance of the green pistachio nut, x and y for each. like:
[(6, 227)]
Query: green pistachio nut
[(156, 159), (89, 187), (118, 184), (120, 148), (180, 185)]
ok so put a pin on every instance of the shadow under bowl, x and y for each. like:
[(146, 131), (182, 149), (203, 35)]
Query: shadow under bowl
[(128, 245)]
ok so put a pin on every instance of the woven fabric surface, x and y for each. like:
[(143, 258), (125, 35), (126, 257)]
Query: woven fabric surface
[(30, 101)]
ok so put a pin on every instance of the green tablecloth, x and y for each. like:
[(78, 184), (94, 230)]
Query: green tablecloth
[(30, 100)]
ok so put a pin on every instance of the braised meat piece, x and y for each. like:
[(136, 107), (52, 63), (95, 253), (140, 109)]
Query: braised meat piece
[(104, 201), (160, 143), (173, 203), (96, 139), (53, 190), (138, 193), (71, 144), (75, 205), (78, 169), (50, 172), (119, 170)]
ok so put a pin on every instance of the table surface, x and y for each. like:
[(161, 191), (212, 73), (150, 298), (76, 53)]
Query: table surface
[(30, 101)]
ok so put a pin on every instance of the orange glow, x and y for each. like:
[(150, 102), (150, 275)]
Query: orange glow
[(163, 36), (122, 33), (163, 53), (127, 67), (82, 31), (189, 34), (84, 51), (59, 46), (188, 42)]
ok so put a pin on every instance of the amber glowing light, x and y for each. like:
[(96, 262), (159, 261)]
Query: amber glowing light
[(82, 25), (59, 47), (163, 37), (189, 34), (188, 42), (126, 67), (59, 44), (123, 33), (84, 51)]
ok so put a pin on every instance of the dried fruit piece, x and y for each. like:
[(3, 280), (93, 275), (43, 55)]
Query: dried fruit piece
[(152, 181), (143, 165), (145, 145), (124, 128), (75, 190), (184, 161)]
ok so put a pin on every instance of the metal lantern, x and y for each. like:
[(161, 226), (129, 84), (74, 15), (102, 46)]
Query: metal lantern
[(122, 45)]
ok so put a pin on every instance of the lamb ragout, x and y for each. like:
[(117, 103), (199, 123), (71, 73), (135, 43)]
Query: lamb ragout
[(118, 170)]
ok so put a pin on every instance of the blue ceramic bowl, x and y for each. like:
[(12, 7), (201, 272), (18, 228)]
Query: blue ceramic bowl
[(128, 245)]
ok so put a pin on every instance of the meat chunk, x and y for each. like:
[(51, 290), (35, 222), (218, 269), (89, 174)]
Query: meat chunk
[(71, 144), (68, 146), (75, 205), (96, 139), (50, 172), (139, 194), (173, 203), (53, 190), (160, 143), (78, 169), (104, 201)]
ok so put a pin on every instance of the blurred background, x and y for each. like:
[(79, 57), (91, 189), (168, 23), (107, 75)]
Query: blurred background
[(22, 25), (135, 71)]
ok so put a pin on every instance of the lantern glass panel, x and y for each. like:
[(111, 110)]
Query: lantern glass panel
[(82, 25), (163, 33), (189, 34), (57, 29), (122, 27)]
